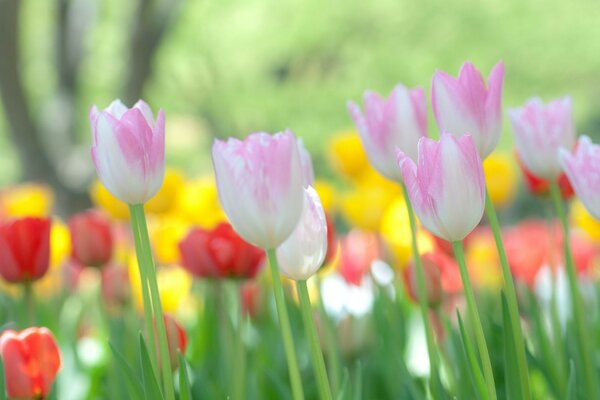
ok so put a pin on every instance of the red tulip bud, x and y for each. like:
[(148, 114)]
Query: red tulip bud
[(91, 238)]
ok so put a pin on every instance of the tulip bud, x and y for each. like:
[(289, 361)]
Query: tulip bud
[(399, 121), (24, 249), (447, 186), (116, 287), (128, 150), (260, 185), (91, 238), (432, 267), (176, 340), (31, 361), (465, 105), (301, 255)]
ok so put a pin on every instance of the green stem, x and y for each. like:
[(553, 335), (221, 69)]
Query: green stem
[(29, 301), (313, 340), (581, 332), (165, 361), (475, 320), (239, 367), (333, 356), (422, 295), (511, 297), (286, 329), (148, 311)]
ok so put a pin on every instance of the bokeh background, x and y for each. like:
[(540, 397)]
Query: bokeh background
[(229, 67)]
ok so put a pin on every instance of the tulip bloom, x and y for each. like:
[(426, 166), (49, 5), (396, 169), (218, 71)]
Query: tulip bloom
[(308, 174), (116, 286), (260, 185), (540, 131), (128, 150), (91, 238), (31, 361), (447, 186), (302, 254), (24, 249), (358, 251), (465, 105), (583, 170), (540, 187), (220, 253), (399, 121), (432, 268)]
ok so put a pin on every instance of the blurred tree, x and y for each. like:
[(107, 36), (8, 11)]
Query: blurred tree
[(46, 141)]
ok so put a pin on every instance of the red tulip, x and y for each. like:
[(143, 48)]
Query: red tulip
[(24, 249), (251, 298), (176, 340), (116, 288), (219, 253), (31, 361), (433, 278), (332, 241), (91, 238), (358, 250), (540, 186)]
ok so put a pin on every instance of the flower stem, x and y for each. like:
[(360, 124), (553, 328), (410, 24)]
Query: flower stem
[(313, 339), (148, 311), (155, 298), (475, 320), (581, 331), (333, 356), (422, 296), (511, 297), (29, 301), (286, 329), (239, 367)]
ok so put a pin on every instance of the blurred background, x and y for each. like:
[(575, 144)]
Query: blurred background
[(229, 67)]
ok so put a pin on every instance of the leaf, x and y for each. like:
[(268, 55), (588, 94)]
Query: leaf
[(151, 387), (135, 387), (572, 385), (344, 388), (185, 389), (513, 389), (357, 387), (2, 383), (475, 370)]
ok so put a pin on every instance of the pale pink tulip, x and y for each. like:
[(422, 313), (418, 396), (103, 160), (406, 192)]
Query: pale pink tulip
[(128, 150), (446, 187), (301, 255), (583, 169), (308, 174), (464, 105), (540, 131), (260, 185), (386, 124)]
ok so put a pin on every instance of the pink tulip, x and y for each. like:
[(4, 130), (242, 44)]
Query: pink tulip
[(540, 131), (260, 185), (446, 187), (302, 254), (583, 170), (128, 150), (308, 173), (397, 122), (465, 105)]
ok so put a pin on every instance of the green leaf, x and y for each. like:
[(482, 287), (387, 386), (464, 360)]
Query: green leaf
[(475, 370), (572, 385), (513, 387), (151, 387), (135, 387), (185, 389), (343, 394), (2, 385), (357, 392)]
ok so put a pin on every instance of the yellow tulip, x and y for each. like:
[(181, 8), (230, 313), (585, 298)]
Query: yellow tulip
[(198, 203), (501, 177), (346, 154), (396, 234), (584, 220), (27, 200)]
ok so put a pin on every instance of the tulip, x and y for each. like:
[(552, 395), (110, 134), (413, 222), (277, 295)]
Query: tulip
[(220, 253), (91, 238), (24, 249), (116, 286), (302, 254), (31, 361), (433, 278), (540, 131), (308, 173), (541, 187), (176, 339), (260, 185), (128, 150), (358, 251), (399, 121), (447, 186), (465, 105), (583, 170)]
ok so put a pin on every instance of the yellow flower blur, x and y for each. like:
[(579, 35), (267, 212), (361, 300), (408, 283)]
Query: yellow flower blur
[(396, 234), (174, 286), (346, 154), (584, 220), (482, 260), (198, 203), (27, 200), (501, 178), (165, 236), (166, 198), (104, 200), (327, 194)]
